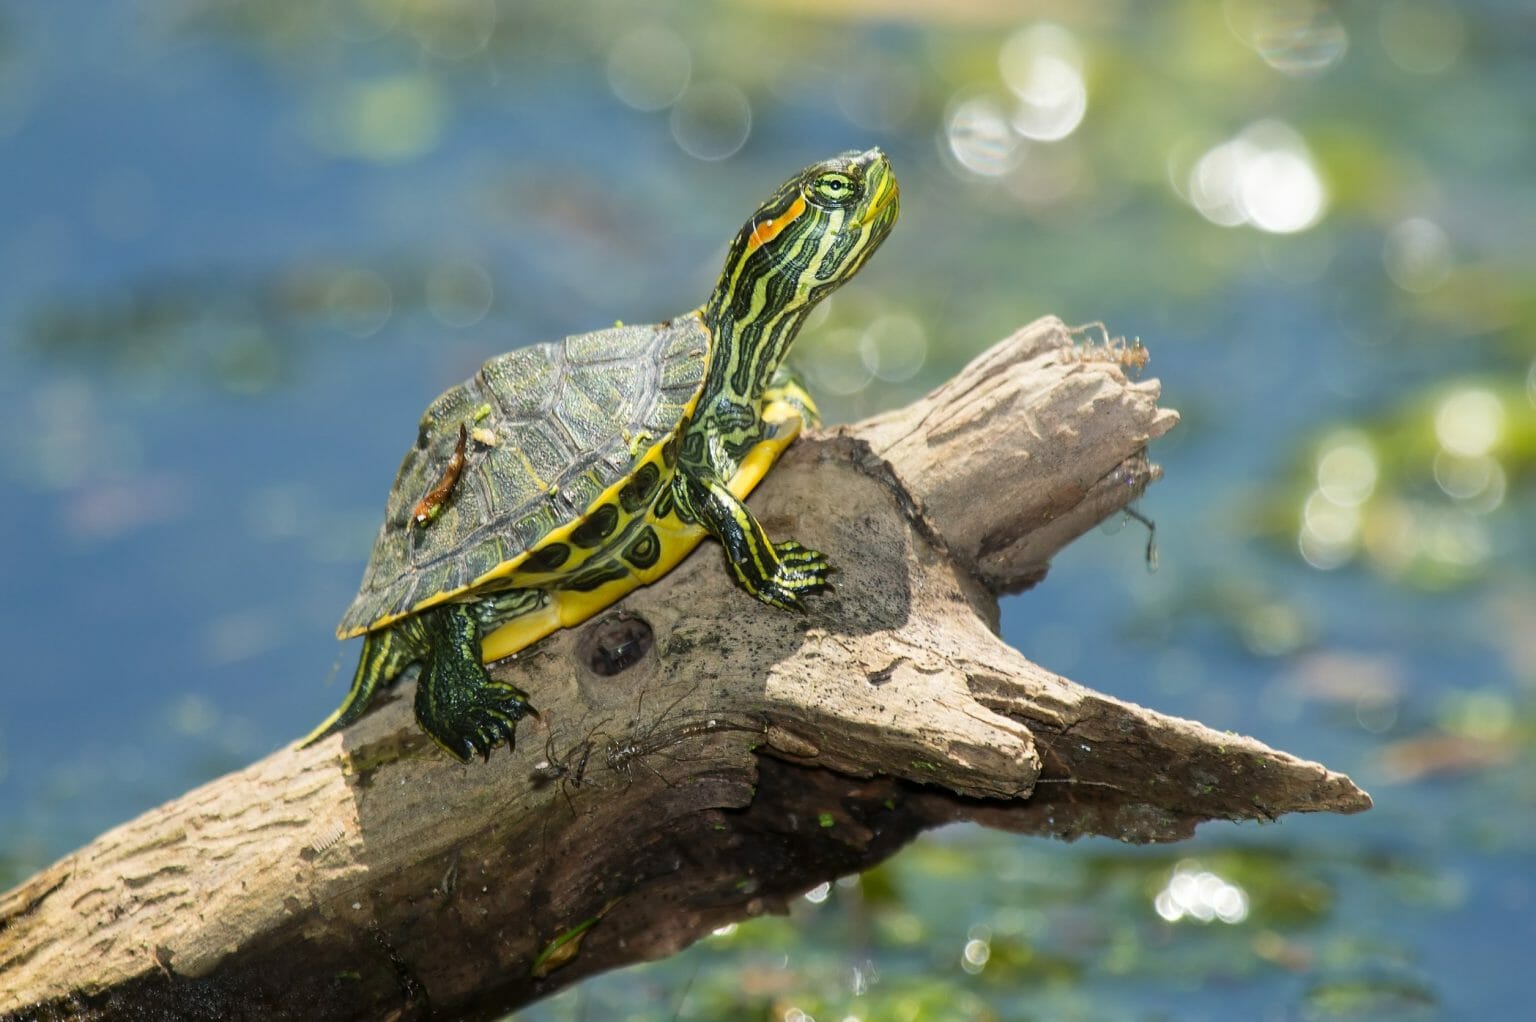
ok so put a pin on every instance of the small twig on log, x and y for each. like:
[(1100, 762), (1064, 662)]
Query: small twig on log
[(749, 756)]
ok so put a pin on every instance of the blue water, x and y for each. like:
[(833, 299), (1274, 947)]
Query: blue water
[(198, 426)]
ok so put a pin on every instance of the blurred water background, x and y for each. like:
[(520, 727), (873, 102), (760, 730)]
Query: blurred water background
[(242, 244)]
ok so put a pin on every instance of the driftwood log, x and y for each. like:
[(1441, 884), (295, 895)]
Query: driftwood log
[(698, 759)]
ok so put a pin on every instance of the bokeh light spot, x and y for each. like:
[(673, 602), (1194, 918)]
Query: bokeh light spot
[(1295, 37), (388, 119), (1200, 895), (1421, 36), (978, 135), (453, 29), (459, 294), (1484, 715), (1021, 49), (1273, 629), (894, 347), (835, 364), (1330, 532), (1347, 468), (1456, 540), (1478, 483), (1417, 255), (974, 956), (649, 67), (711, 120), (359, 302), (1376, 712), (1281, 192), (240, 635), (192, 714), (1469, 422), (1265, 177), (1331, 523), (1213, 183), (1043, 66)]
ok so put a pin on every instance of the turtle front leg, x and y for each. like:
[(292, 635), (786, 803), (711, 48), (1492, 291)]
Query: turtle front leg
[(779, 574), (457, 702)]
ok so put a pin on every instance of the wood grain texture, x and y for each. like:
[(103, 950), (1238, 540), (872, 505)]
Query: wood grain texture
[(749, 756)]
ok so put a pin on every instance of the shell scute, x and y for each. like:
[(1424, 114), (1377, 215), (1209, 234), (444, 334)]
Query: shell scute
[(570, 419), (520, 383)]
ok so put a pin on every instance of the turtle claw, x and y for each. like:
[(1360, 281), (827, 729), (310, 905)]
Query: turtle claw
[(779, 574), (478, 720), (801, 560), (801, 572), (485, 729), (462, 707)]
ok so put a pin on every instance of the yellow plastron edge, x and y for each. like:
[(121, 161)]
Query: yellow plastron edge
[(568, 607)]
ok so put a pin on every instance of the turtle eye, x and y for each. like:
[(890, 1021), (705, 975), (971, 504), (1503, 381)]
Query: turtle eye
[(834, 189)]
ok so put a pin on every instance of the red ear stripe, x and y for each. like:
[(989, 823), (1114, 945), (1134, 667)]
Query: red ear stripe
[(766, 231)]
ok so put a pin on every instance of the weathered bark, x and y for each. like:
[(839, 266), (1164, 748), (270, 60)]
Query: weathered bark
[(748, 755)]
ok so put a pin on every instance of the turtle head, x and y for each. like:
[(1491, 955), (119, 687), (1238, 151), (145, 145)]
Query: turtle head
[(817, 229), (805, 242)]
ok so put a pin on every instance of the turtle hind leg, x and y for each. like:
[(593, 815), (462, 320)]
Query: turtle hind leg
[(457, 702), (386, 655)]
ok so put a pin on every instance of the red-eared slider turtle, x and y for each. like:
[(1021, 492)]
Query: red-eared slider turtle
[(563, 475)]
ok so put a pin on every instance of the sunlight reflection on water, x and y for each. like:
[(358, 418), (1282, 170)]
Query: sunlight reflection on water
[(1295, 37), (1265, 178), (1042, 64), (1200, 895)]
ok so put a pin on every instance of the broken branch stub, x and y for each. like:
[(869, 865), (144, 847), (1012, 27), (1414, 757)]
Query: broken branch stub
[(742, 756), (1035, 442)]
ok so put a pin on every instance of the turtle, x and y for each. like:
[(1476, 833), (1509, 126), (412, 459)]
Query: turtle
[(563, 475)]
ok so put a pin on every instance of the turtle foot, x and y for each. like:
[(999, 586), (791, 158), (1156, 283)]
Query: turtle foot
[(467, 720), (462, 707), (801, 572)]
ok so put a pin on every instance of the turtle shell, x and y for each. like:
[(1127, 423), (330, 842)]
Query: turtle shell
[(550, 428)]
